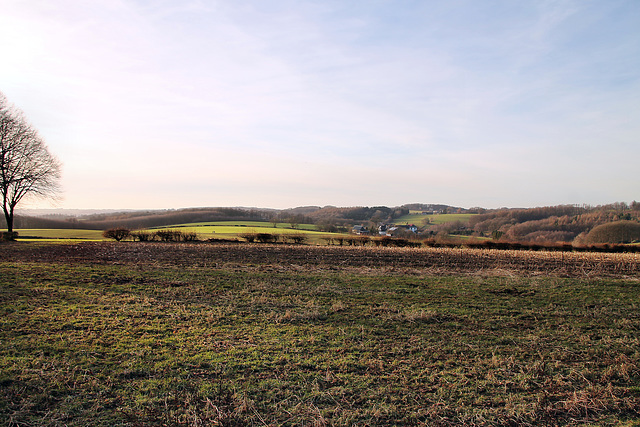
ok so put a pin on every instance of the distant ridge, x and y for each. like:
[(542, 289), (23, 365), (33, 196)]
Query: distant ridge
[(561, 223), (67, 213)]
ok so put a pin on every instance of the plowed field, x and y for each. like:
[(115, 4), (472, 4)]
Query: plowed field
[(379, 260)]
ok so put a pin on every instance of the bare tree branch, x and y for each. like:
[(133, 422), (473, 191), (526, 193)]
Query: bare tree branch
[(26, 166)]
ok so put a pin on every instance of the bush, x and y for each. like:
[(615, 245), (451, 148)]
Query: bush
[(357, 240), (190, 236), (297, 238), (249, 237), (169, 235), (143, 236), (383, 241), (266, 237), (118, 233), (328, 240)]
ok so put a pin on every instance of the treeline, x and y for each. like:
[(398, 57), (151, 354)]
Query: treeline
[(575, 224), (136, 220), (142, 219), (335, 219), (22, 221), (564, 223), (328, 218)]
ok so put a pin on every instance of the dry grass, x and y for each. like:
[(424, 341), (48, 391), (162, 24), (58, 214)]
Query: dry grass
[(153, 334)]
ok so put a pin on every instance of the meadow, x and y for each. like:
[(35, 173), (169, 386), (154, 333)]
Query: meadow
[(250, 224), (226, 230), (435, 219), (231, 230), (152, 334)]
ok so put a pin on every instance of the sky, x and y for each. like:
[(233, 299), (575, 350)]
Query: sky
[(158, 104)]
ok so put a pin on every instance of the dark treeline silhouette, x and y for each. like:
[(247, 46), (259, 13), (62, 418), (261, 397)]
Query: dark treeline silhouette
[(142, 219), (182, 216), (22, 221)]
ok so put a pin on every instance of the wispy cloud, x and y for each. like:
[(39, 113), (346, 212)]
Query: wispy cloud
[(167, 104)]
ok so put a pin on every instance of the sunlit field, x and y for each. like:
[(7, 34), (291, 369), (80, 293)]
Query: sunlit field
[(236, 229), (253, 224), (418, 219), (228, 230), (131, 334)]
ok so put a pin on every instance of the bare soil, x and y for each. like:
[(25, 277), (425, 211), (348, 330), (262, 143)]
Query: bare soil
[(297, 257)]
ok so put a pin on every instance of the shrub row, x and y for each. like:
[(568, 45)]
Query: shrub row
[(167, 236), (121, 233), (296, 238), (475, 244), (545, 246), (372, 241)]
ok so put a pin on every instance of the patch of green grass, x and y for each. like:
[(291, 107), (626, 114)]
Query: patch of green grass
[(243, 224), (235, 229), (418, 219), (156, 345)]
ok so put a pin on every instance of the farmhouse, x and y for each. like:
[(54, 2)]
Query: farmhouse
[(360, 229), (411, 227), (398, 229)]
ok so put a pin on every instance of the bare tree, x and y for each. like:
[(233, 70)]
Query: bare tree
[(26, 166), (294, 220), (118, 233)]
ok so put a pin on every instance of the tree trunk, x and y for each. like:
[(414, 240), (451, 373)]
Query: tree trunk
[(8, 216)]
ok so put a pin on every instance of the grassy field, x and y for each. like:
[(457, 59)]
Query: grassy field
[(235, 230), (418, 219), (204, 230), (135, 334), (250, 224)]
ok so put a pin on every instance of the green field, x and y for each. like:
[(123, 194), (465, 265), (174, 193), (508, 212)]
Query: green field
[(418, 219), (125, 336), (252, 224), (235, 229), (204, 230)]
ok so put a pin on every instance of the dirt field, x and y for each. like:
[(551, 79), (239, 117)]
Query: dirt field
[(379, 260)]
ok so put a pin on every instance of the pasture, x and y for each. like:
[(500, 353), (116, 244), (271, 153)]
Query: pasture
[(131, 334), (418, 219), (245, 224), (226, 230), (230, 230)]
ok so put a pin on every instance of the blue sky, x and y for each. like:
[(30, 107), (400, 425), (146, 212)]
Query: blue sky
[(169, 104)]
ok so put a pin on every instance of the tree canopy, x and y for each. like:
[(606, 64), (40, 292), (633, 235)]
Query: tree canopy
[(615, 232)]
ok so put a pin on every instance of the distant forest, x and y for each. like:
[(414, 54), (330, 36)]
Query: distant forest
[(566, 223), (328, 218), (577, 224)]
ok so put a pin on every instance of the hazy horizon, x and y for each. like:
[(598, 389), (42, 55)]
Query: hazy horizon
[(163, 105), (89, 211)]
